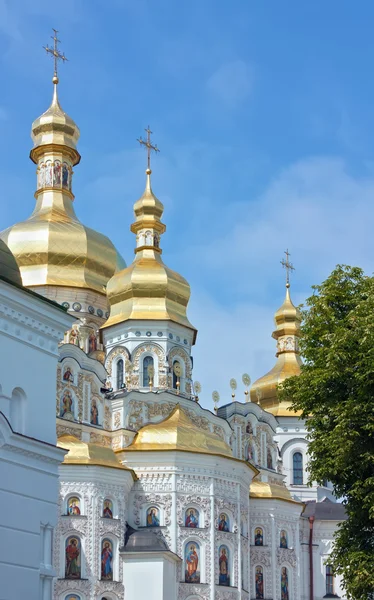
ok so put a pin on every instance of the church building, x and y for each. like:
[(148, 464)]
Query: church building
[(122, 485)]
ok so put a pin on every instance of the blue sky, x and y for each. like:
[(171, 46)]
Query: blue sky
[(263, 113)]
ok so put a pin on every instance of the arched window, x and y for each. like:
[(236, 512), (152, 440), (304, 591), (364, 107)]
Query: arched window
[(329, 581), (297, 468), (148, 364), (285, 595), (72, 557), (192, 562), (176, 378), (259, 583), (119, 374)]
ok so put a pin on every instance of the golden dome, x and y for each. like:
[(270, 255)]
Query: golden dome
[(8, 265), (52, 247), (264, 489), (54, 126), (178, 432), (264, 390), (86, 453), (148, 289)]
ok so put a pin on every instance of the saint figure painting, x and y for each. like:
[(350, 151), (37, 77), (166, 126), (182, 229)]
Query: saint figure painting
[(67, 404), (192, 558), (153, 519), (223, 566), (108, 509), (223, 523), (72, 558), (284, 584), (107, 560), (192, 518), (259, 583), (283, 539), (259, 537), (74, 506)]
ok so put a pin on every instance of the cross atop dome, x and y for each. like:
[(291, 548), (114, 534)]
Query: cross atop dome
[(149, 146), (288, 266), (55, 53)]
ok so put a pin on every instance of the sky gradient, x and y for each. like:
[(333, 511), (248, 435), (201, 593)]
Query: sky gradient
[(263, 114)]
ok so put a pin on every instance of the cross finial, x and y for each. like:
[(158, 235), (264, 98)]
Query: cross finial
[(149, 146), (288, 266), (55, 53)]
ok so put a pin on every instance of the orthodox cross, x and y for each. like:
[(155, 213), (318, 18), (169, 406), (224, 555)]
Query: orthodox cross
[(55, 53), (148, 145), (288, 266)]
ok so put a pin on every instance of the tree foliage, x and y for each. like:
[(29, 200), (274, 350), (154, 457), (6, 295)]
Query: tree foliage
[(335, 392)]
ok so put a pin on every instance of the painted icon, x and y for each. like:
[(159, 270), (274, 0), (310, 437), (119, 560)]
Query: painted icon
[(283, 539), (57, 173), (153, 518), (74, 506), (284, 584), (67, 404), (94, 413), (192, 558), (107, 560), (68, 375), (224, 566), (192, 518), (108, 509), (72, 558), (65, 175), (259, 537), (259, 583), (224, 522)]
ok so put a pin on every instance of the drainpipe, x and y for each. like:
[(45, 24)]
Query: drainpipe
[(311, 591)]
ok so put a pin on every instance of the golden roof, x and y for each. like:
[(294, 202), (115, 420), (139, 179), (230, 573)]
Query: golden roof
[(148, 289), (86, 453), (8, 265), (265, 489), (178, 432), (52, 247), (264, 390)]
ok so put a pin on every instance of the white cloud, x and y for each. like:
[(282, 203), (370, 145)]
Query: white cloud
[(325, 216), (231, 83)]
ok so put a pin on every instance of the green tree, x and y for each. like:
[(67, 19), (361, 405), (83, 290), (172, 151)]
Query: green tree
[(335, 392)]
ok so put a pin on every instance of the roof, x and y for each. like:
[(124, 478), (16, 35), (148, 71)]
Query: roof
[(179, 432), (144, 540), (325, 510), (87, 453)]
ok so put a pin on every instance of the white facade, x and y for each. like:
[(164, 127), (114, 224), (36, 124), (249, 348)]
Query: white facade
[(30, 329)]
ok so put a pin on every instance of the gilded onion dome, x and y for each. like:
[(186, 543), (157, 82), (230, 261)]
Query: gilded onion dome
[(52, 247), (8, 265), (148, 289), (264, 390), (178, 432)]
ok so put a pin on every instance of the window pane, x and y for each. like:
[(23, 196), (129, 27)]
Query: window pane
[(147, 362), (119, 373), (298, 468)]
